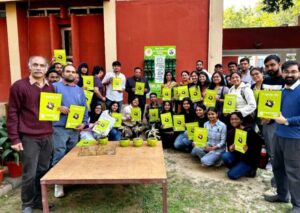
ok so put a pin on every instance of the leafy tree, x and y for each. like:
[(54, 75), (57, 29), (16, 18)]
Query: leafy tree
[(271, 6), (258, 17)]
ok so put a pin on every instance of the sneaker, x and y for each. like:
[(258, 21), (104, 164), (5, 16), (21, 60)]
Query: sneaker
[(59, 191), (219, 163), (269, 166), (275, 199), (271, 192)]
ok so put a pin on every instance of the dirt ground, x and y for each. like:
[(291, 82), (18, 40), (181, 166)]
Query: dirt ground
[(192, 189)]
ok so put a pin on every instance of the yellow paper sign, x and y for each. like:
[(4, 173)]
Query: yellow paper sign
[(269, 104), (75, 116), (210, 98), (136, 114), (166, 120), (200, 136), (176, 94), (183, 92), (195, 94), (229, 103), (179, 123), (139, 88), (166, 94), (101, 126), (153, 115), (190, 127), (240, 140), (60, 56), (116, 83), (88, 97), (118, 117), (49, 104), (88, 82)]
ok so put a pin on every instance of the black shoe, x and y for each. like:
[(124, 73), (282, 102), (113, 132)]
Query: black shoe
[(40, 206), (275, 199)]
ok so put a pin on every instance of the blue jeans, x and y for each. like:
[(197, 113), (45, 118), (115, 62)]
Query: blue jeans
[(108, 103), (64, 140), (206, 158), (114, 135), (237, 168), (183, 143)]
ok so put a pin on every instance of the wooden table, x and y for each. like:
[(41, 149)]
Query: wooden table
[(130, 165)]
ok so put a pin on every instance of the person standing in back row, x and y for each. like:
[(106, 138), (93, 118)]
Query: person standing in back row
[(111, 94)]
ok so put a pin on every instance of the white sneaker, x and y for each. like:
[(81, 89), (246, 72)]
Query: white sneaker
[(271, 192), (59, 191)]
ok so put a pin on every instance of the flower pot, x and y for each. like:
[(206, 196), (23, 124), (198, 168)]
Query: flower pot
[(1, 174), (137, 142), (14, 170), (103, 141), (152, 141), (124, 142)]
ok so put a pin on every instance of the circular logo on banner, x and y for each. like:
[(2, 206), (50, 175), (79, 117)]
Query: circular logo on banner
[(148, 52), (171, 51)]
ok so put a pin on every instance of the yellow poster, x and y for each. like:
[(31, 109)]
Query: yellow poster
[(166, 120), (139, 88), (240, 140), (88, 82), (166, 94), (60, 56), (183, 92), (49, 104), (200, 136), (190, 127), (179, 124), (118, 118), (117, 83), (136, 114), (75, 116), (153, 115), (195, 94), (88, 97), (210, 98)]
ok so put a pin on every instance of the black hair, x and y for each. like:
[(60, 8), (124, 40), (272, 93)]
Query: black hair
[(137, 68), (202, 106), (110, 105), (213, 109), (212, 84), (54, 64), (185, 71), (153, 93), (191, 110), (198, 82), (256, 68), (207, 82), (199, 61), (218, 65), (239, 74), (97, 70), (272, 57), (244, 59), (82, 65), (135, 97), (52, 70), (287, 64), (165, 77), (116, 63), (231, 63), (163, 106), (237, 113), (93, 116)]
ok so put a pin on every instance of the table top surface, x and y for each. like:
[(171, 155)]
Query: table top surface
[(129, 164)]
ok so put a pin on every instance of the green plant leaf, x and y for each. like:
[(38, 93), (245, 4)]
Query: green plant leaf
[(3, 132), (16, 157), (6, 153), (3, 140)]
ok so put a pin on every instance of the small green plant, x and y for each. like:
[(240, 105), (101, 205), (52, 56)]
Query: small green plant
[(7, 153), (137, 130), (153, 132)]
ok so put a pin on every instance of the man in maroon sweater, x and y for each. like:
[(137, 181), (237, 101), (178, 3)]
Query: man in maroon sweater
[(31, 137)]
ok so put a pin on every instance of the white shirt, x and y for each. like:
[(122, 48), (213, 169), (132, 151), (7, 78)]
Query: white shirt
[(110, 93)]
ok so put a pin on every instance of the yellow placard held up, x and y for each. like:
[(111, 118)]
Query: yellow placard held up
[(210, 98), (139, 88), (200, 136), (88, 97), (195, 94), (88, 82), (49, 105), (240, 140), (60, 56), (117, 83), (153, 115), (166, 94), (190, 127), (179, 123), (118, 117), (75, 116), (136, 114), (166, 120), (183, 92)]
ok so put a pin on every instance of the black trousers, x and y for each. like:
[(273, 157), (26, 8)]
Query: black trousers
[(36, 161)]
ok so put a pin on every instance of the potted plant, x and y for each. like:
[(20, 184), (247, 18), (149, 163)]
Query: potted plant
[(137, 141), (10, 156), (1, 167), (152, 136), (125, 141), (103, 139)]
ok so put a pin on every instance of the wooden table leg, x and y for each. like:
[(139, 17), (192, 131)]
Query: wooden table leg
[(164, 194), (45, 198)]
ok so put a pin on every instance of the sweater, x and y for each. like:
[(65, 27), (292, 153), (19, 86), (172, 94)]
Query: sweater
[(71, 95), (290, 109), (23, 111)]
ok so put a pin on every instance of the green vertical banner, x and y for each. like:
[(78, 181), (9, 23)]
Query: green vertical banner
[(155, 57)]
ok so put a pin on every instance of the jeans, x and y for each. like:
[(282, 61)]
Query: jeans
[(183, 143), (114, 135), (108, 103), (206, 158), (64, 141), (268, 133), (237, 168), (36, 161)]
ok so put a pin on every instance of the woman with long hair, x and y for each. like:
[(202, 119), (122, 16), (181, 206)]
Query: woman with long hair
[(242, 164), (167, 134), (204, 82), (83, 69)]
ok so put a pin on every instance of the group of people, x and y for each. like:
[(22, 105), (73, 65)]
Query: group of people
[(45, 143)]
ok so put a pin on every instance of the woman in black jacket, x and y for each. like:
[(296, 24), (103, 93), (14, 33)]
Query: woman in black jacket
[(239, 164)]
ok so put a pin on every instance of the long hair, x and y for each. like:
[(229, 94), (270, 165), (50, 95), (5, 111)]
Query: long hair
[(82, 65), (222, 83), (165, 77)]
